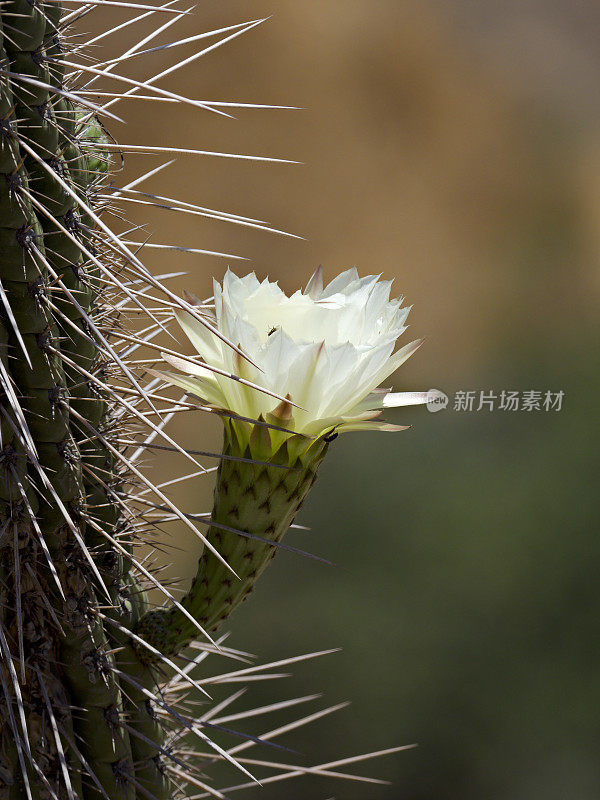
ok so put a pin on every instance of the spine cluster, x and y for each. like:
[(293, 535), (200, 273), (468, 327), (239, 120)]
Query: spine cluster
[(58, 483)]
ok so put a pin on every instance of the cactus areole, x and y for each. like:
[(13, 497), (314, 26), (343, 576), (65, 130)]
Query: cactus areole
[(92, 673)]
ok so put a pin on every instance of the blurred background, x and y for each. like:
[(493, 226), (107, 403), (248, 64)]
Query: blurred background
[(453, 146)]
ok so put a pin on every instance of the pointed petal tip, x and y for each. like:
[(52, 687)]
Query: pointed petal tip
[(314, 287), (191, 298), (283, 411)]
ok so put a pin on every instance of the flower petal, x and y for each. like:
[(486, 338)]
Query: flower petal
[(346, 427), (204, 389), (204, 342), (314, 287)]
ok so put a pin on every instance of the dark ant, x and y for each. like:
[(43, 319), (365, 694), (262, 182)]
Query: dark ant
[(272, 331)]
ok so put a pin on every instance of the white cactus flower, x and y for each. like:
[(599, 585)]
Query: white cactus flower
[(325, 348)]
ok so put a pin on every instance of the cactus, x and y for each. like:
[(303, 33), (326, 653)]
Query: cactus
[(93, 681)]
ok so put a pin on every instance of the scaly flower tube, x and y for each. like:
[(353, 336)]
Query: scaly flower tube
[(323, 353)]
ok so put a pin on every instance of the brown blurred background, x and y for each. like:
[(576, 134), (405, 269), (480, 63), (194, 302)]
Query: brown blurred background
[(453, 146)]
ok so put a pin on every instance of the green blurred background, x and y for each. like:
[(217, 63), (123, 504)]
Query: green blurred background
[(453, 146)]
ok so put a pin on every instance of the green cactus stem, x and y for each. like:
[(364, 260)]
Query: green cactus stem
[(256, 500), (64, 655)]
